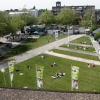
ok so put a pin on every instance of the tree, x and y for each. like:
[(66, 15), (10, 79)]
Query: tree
[(94, 27), (28, 18), (85, 23), (66, 16), (16, 23), (88, 19), (4, 23), (46, 18), (41, 11), (93, 19), (3, 27)]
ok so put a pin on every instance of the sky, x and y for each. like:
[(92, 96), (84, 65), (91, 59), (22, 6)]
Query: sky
[(44, 4)]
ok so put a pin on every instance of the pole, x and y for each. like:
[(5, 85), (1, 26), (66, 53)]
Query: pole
[(4, 79), (3, 70), (11, 84), (68, 37), (10, 81), (71, 79), (91, 21), (36, 74)]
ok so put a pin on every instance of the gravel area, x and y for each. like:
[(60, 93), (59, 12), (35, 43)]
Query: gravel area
[(29, 94)]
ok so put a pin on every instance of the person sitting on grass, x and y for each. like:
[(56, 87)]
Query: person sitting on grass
[(29, 67), (54, 64), (90, 65), (43, 56)]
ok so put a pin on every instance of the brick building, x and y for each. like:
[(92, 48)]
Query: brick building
[(79, 9)]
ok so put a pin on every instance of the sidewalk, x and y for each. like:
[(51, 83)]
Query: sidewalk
[(95, 44), (73, 58)]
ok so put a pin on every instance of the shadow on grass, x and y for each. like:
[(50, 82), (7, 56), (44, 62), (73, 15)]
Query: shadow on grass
[(17, 50), (29, 40)]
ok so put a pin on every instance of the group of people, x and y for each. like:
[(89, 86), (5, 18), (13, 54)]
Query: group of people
[(86, 47), (83, 42)]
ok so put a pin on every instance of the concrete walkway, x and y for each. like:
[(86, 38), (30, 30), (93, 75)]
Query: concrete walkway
[(73, 58), (37, 51), (95, 44)]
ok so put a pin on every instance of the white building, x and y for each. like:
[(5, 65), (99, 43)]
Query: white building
[(34, 12), (16, 13)]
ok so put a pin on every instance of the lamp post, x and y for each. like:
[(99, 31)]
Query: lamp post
[(91, 21), (3, 70), (69, 31)]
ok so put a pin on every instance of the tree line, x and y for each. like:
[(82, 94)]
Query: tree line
[(10, 24)]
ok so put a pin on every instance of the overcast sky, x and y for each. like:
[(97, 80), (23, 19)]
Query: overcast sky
[(43, 4)]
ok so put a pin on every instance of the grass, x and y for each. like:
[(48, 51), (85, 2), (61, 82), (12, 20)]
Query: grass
[(90, 49), (82, 39), (31, 43), (76, 54), (89, 79)]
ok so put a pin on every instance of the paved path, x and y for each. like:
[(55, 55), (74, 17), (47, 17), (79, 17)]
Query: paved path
[(95, 44), (73, 58), (37, 51)]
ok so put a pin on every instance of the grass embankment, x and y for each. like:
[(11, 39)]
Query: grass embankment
[(82, 40), (89, 78), (76, 54), (77, 47)]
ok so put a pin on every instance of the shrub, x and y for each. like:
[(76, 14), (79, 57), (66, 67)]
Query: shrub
[(94, 27), (97, 36)]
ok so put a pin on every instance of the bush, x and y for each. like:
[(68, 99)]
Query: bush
[(97, 36), (94, 27)]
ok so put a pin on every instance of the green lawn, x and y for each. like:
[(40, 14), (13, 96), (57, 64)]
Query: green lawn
[(31, 44), (76, 54), (89, 79), (90, 49), (82, 39)]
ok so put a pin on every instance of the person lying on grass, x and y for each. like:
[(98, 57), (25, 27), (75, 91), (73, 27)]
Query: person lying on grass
[(58, 75)]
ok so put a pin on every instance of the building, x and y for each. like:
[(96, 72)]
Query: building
[(18, 12), (79, 9), (34, 12)]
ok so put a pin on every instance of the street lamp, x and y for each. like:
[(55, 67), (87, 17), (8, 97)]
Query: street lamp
[(3, 70), (69, 31)]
